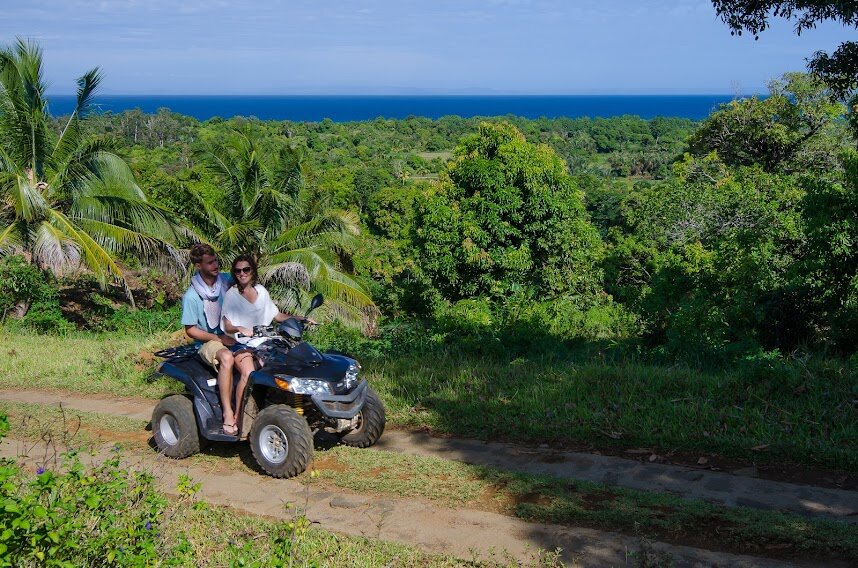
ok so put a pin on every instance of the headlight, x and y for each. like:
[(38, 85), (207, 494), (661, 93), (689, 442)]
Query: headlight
[(351, 379), (303, 386)]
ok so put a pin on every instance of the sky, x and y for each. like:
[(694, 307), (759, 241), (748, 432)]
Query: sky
[(285, 47)]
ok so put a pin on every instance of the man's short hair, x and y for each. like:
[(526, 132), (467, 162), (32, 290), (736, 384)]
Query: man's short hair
[(199, 250)]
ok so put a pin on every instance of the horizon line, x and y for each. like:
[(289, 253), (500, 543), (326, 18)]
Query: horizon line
[(488, 95)]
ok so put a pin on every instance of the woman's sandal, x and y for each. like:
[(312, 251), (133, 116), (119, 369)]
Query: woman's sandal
[(230, 429)]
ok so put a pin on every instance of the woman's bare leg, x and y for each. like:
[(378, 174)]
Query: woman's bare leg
[(224, 386), (245, 365)]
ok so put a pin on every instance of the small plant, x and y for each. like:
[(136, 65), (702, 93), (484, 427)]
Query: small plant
[(80, 516), (31, 297)]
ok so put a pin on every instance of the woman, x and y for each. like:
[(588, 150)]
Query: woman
[(246, 305)]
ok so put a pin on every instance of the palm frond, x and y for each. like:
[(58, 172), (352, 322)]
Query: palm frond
[(54, 249), (81, 163), (289, 274), (150, 250), (23, 107), (86, 86), (220, 159), (271, 208), (288, 171), (335, 226), (92, 255), (27, 200), (11, 238), (239, 238), (214, 219)]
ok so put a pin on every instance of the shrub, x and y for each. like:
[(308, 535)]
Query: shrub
[(23, 284), (20, 283), (98, 517)]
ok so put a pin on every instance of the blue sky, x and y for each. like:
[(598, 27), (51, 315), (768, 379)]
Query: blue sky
[(406, 47)]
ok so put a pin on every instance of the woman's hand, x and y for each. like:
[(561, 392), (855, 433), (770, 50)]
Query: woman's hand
[(244, 331)]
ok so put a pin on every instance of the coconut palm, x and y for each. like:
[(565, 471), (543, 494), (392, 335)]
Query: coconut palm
[(299, 245), (66, 200)]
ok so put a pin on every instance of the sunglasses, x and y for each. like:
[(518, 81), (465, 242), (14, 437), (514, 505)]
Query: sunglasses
[(242, 270)]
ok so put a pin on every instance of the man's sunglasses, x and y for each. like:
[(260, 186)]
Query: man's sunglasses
[(242, 270)]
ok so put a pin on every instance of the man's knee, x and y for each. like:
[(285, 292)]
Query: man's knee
[(224, 356)]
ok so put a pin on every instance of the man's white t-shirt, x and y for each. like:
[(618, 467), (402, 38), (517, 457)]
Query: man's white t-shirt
[(242, 313)]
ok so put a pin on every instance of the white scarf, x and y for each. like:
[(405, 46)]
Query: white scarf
[(209, 295)]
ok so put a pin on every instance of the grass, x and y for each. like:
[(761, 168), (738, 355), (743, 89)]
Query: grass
[(82, 362), (533, 498), (767, 411), (758, 413)]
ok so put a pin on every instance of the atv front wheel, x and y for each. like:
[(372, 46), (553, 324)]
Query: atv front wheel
[(175, 427), (281, 441), (370, 423)]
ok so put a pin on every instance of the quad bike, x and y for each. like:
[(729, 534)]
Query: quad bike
[(296, 392)]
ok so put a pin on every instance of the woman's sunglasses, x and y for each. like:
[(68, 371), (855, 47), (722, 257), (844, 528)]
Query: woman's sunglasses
[(242, 270)]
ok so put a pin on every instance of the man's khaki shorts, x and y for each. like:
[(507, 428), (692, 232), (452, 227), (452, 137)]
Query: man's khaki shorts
[(208, 352)]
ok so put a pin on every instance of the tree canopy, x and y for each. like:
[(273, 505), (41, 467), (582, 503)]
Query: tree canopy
[(507, 214), (785, 131)]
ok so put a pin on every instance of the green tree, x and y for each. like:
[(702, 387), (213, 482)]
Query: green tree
[(300, 243), (507, 215), (790, 130), (712, 256), (66, 200), (829, 270)]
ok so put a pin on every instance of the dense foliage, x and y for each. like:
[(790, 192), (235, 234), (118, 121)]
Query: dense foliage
[(506, 216), (734, 237)]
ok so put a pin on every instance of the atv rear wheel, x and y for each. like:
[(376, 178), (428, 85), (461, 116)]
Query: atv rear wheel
[(175, 427), (370, 423), (281, 441)]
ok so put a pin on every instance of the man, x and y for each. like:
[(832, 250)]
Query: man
[(201, 316)]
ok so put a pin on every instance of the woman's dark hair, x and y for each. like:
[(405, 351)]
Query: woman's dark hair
[(248, 258)]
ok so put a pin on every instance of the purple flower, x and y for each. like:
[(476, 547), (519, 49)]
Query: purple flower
[(148, 526), (40, 471)]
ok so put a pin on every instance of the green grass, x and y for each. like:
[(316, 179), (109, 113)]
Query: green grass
[(72, 428), (766, 414), (761, 411), (82, 362), (533, 498)]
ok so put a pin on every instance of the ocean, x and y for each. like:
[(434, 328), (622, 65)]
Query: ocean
[(354, 108)]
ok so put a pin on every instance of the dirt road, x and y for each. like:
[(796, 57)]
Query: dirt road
[(463, 532)]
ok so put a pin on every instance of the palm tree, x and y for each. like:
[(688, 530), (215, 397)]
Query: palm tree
[(299, 245), (66, 200)]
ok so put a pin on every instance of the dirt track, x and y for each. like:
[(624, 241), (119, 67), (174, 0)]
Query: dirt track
[(462, 532)]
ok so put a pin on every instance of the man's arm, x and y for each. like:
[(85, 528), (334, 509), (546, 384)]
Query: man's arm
[(194, 332)]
